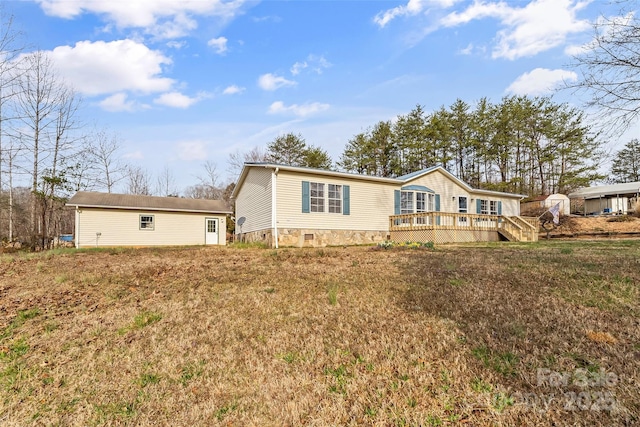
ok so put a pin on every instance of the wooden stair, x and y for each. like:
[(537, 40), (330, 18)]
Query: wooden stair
[(517, 229)]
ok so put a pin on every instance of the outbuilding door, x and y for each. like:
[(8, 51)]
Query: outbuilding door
[(211, 231)]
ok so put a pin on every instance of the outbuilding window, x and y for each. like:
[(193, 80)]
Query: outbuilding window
[(147, 222)]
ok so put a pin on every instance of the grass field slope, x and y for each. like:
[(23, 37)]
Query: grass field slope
[(485, 335)]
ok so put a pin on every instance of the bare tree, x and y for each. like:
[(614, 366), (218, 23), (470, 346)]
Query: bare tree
[(46, 108), (166, 183), (208, 187), (138, 181), (237, 160), (10, 48), (104, 155), (610, 69)]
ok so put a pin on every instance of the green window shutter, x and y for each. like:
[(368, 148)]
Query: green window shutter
[(346, 202), (499, 208), (396, 202), (438, 208), (478, 206), (305, 197)]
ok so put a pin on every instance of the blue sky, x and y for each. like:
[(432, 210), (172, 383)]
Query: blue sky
[(183, 81)]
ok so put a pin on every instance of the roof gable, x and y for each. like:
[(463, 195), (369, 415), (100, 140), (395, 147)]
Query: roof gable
[(93, 199)]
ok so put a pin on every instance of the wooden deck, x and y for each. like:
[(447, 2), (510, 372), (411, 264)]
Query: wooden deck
[(444, 227)]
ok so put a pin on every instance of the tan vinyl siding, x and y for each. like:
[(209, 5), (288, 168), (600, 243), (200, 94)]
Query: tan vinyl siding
[(253, 202), (444, 186), (122, 228), (448, 189), (371, 204)]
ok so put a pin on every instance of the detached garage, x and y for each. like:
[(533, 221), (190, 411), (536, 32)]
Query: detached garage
[(106, 219)]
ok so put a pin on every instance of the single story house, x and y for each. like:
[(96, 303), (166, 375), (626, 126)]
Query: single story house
[(605, 199), (107, 219), (297, 206)]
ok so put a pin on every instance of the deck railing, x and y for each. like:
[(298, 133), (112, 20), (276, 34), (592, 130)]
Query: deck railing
[(517, 228), (445, 220)]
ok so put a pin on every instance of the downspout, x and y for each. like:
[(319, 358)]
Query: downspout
[(274, 201), (77, 227)]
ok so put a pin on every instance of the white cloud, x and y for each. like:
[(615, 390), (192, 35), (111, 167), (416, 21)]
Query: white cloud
[(220, 44), (575, 50), (232, 90), (297, 67), (164, 18), (303, 110), (174, 44), (96, 68), (176, 99), (467, 50), (413, 7), (528, 30), (272, 82), (540, 81), (609, 24), (116, 103), (315, 63), (192, 150)]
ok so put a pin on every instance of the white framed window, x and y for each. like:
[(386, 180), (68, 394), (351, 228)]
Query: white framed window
[(463, 205), (415, 202), (431, 202), (406, 202), (421, 202), (493, 207), (484, 207), (335, 198), (317, 197), (147, 222)]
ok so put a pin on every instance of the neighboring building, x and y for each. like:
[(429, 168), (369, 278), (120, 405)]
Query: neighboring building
[(106, 219), (605, 199), (295, 206), (546, 202)]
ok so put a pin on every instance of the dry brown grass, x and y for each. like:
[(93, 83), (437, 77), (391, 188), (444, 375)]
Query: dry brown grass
[(339, 336)]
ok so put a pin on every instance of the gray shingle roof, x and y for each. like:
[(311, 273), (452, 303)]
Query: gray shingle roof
[(88, 199)]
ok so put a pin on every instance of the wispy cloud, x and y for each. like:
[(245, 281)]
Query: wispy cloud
[(163, 19), (219, 44), (272, 82), (528, 30), (178, 100), (118, 102), (540, 81), (232, 90), (413, 7), (303, 110), (315, 63)]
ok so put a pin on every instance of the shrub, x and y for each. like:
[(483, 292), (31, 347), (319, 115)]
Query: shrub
[(387, 244)]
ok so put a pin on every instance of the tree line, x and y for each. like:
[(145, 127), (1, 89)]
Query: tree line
[(523, 145)]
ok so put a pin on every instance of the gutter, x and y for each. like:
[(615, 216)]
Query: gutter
[(274, 202)]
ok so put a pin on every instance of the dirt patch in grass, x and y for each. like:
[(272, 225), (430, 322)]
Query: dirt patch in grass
[(495, 335), (600, 224)]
